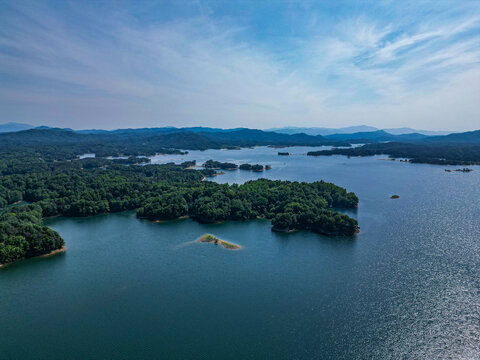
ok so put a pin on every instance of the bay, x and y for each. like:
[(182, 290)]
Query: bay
[(407, 286)]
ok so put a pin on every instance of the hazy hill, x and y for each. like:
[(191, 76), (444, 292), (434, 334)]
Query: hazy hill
[(354, 130), (13, 126), (250, 137), (180, 139), (406, 130), (375, 136), (159, 130), (322, 130), (210, 139), (469, 137)]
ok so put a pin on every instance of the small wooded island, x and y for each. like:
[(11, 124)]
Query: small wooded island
[(208, 238), (217, 165)]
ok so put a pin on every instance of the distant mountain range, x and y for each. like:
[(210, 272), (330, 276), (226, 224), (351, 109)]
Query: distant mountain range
[(469, 137), (354, 129), (203, 138), (186, 138), (375, 136), (458, 148), (313, 131)]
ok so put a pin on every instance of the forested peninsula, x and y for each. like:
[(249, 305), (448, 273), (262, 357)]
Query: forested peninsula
[(426, 153), (53, 186)]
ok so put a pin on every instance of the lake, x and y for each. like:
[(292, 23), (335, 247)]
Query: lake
[(406, 287)]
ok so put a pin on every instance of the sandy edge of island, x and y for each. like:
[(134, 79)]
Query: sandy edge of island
[(52, 253), (224, 243)]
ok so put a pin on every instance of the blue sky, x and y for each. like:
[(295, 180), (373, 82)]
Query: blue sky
[(259, 64)]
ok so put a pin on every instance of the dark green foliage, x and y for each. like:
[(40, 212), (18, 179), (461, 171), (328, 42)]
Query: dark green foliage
[(167, 206), (290, 205), (250, 167), (245, 167), (90, 186), (59, 144), (162, 192), (188, 164), (23, 235), (210, 164), (429, 153)]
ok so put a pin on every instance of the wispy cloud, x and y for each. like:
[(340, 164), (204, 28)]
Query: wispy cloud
[(76, 67)]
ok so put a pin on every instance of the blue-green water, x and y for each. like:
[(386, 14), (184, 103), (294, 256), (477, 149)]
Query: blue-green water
[(406, 287)]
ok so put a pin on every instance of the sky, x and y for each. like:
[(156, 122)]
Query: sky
[(257, 64)]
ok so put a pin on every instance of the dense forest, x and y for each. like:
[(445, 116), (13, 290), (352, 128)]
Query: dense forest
[(430, 153), (147, 141), (42, 167), (290, 205), (64, 144), (90, 186), (23, 235), (211, 164)]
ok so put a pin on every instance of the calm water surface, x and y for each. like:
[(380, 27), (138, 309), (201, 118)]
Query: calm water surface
[(407, 287)]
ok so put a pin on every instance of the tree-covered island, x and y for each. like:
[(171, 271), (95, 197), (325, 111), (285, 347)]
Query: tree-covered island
[(217, 165), (55, 182)]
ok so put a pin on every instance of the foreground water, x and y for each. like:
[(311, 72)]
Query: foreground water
[(407, 287)]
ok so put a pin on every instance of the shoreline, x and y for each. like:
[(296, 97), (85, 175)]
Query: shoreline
[(54, 252), (213, 175), (50, 254), (208, 238)]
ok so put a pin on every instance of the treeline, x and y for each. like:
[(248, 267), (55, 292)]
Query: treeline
[(71, 191), (445, 154), (211, 164), (75, 188), (60, 144), (92, 186), (290, 205), (255, 167), (27, 161), (23, 235)]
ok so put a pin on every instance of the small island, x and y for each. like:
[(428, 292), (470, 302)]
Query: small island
[(250, 167), (459, 170), (395, 197), (208, 238), (215, 165)]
